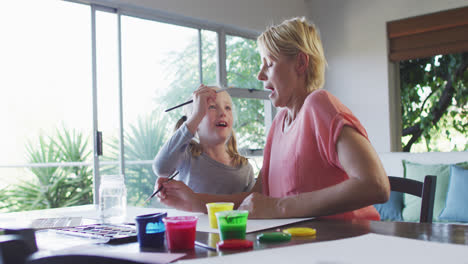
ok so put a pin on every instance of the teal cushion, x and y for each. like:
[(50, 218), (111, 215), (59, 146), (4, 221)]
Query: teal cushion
[(456, 208), (463, 165), (416, 171), (391, 210)]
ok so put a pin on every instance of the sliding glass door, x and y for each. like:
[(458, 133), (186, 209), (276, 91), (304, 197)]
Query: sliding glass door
[(152, 80), (106, 87)]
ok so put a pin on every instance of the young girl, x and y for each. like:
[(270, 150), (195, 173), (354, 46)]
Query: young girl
[(211, 163)]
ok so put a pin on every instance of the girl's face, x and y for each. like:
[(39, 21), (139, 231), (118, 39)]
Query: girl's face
[(279, 77), (216, 126)]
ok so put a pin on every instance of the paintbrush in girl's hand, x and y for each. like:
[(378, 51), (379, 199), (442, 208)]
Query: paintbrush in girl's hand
[(160, 188), (191, 101)]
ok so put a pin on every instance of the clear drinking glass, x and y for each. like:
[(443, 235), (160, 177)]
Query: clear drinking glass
[(112, 199)]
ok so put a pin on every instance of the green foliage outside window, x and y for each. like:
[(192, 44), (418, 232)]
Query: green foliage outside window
[(53, 187), (434, 103), (243, 62), (142, 142)]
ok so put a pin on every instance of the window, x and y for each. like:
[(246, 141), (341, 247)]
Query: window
[(46, 73), (242, 62), (434, 101), (432, 56), (113, 71)]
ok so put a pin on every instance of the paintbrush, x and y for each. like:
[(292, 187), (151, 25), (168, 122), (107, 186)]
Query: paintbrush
[(191, 101), (160, 188)]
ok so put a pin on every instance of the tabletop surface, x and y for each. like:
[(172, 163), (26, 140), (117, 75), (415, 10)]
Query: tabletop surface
[(327, 230)]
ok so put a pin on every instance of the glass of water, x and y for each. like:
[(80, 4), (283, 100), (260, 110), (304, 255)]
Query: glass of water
[(112, 199)]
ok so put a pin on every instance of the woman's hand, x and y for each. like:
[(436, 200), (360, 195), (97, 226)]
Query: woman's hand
[(261, 206), (176, 194)]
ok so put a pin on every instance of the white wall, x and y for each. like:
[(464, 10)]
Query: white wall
[(253, 15), (355, 42)]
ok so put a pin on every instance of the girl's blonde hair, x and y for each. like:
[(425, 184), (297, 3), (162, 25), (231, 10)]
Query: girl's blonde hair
[(291, 37), (231, 144)]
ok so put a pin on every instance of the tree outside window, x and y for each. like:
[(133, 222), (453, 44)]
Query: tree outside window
[(434, 103)]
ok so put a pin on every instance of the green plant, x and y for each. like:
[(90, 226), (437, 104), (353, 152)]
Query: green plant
[(73, 146), (52, 186), (142, 142)]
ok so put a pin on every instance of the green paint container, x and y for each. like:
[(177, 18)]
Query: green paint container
[(232, 224)]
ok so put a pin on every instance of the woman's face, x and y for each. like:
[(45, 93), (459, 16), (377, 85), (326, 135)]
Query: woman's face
[(216, 126), (279, 77)]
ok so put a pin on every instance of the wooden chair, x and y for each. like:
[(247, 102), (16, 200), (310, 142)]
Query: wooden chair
[(425, 190)]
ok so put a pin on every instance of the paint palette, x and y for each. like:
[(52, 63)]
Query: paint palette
[(103, 233)]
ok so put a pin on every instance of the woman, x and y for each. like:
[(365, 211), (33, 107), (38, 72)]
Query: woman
[(318, 160)]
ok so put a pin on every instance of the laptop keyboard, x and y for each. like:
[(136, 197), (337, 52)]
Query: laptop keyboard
[(55, 222), (104, 233)]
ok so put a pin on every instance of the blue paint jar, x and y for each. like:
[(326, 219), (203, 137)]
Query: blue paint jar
[(151, 230)]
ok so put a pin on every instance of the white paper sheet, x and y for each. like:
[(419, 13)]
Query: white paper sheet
[(133, 254), (51, 241), (253, 225), (366, 249)]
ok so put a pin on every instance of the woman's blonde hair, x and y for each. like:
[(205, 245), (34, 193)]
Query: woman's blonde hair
[(291, 37), (231, 144)]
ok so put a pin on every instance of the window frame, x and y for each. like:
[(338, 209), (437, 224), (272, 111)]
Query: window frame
[(418, 37), (221, 75), (158, 16)]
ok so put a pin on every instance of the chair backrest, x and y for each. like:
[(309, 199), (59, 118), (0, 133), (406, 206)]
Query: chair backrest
[(425, 190)]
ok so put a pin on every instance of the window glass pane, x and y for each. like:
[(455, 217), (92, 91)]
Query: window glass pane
[(9, 182), (45, 102), (160, 70), (242, 63), (250, 123), (434, 103), (209, 39), (43, 187), (107, 90)]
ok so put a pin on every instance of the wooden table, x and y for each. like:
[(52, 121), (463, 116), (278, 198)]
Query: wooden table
[(336, 229), (327, 230)]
